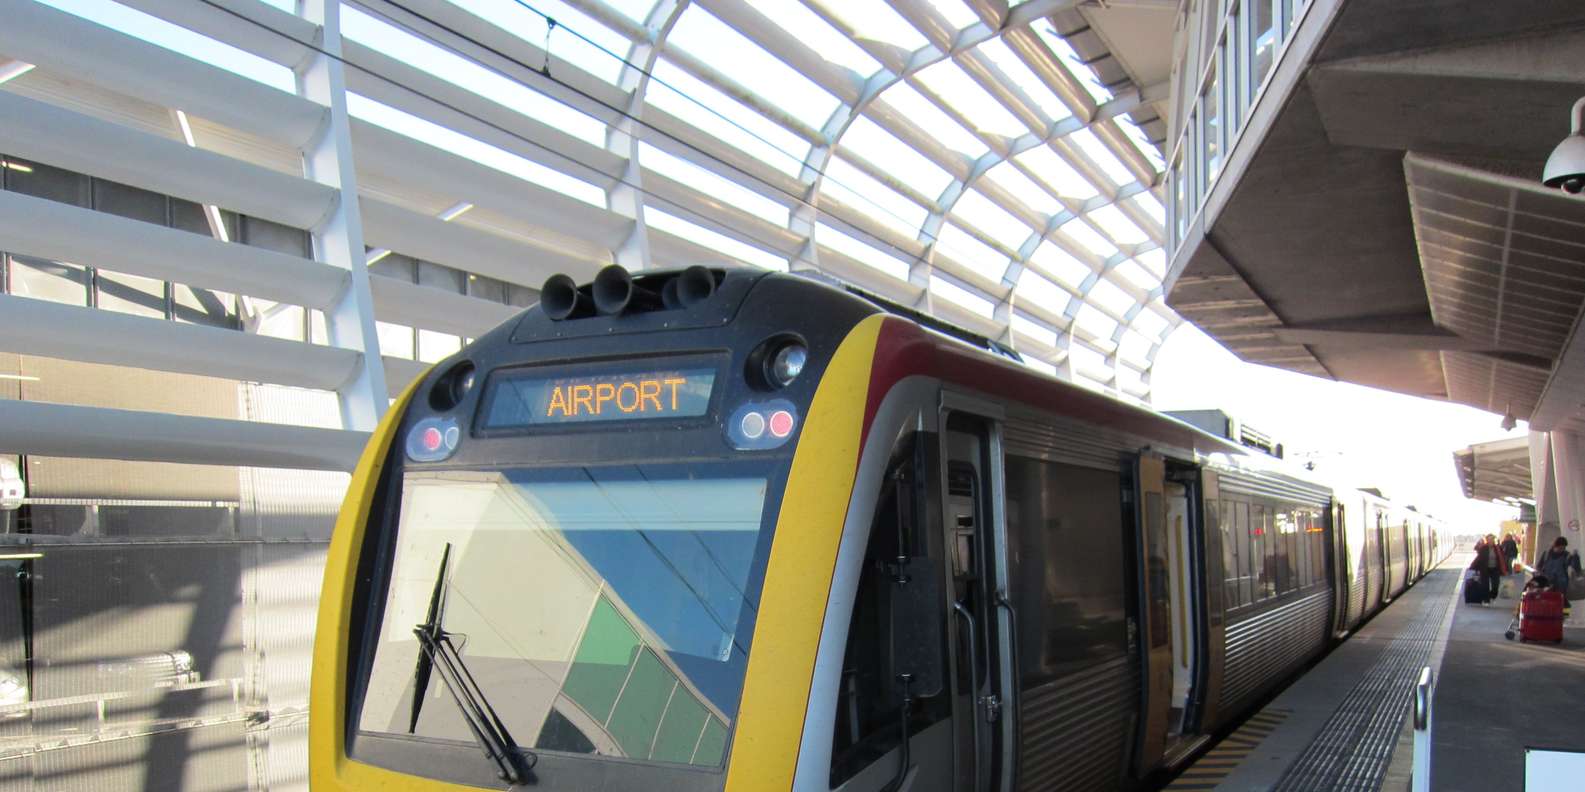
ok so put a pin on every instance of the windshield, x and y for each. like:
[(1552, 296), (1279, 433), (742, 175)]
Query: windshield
[(602, 610)]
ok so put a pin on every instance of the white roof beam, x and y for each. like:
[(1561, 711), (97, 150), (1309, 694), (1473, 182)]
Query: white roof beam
[(467, 248), (429, 308), (458, 30), (55, 136), (394, 157), (73, 46), (67, 430), (392, 82), (839, 81), (53, 230), (279, 36), (40, 327)]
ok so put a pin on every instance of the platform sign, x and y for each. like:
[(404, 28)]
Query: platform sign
[(1548, 769)]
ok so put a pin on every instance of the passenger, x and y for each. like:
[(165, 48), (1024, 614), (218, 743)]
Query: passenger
[(1489, 564), (1510, 549), (1555, 564)]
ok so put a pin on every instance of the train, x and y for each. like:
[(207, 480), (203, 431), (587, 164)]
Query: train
[(713, 528)]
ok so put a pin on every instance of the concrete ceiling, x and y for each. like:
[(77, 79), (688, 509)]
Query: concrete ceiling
[(1416, 129)]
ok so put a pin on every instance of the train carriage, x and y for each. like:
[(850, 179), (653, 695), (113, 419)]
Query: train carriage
[(715, 529)]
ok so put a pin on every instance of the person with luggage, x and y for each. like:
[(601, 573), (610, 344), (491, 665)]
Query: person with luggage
[(1489, 567), (1555, 564), (1539, 616)]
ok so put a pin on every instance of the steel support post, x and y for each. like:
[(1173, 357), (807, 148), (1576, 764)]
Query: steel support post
[(338, 240)]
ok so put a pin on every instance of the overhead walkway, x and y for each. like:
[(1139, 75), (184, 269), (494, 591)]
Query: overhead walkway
[(1347, 724)]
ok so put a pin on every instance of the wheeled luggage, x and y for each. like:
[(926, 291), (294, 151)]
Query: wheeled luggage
[(1474, 590), (1541, 616)]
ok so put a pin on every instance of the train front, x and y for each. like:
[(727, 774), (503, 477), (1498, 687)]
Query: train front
[(554, 567)]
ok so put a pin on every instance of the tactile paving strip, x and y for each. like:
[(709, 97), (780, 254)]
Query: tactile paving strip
[(1351, 752), (1209, 770)]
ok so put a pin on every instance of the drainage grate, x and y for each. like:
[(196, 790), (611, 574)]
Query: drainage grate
[(1351, 752)]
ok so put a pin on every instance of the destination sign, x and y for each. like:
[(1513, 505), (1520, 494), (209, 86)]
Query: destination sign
[(529, 400)]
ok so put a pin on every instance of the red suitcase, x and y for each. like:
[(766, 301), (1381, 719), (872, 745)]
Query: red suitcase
[(1541, 616)]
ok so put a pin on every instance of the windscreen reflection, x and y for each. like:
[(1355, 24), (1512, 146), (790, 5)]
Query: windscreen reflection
[(598, 608)]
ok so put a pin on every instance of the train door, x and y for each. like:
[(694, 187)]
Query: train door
[(1180, 584), (1168, 614), (983, 677)]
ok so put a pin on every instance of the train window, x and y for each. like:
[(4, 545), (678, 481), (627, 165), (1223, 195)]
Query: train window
[(635, 580), (1318, 557), (1260, 552), (1231, 563), (1065, 566), (869, 698), (1246, 551), (1289, 578), (1302, 536)]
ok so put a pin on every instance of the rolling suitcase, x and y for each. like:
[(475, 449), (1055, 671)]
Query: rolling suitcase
[(1474, 590), (1541, 616)]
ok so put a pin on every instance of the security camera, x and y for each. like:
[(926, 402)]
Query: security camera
[(1566, 167)]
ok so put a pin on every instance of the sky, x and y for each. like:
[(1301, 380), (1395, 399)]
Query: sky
[(1356, 436)]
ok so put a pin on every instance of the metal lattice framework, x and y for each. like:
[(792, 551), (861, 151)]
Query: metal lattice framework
[(955, 156)]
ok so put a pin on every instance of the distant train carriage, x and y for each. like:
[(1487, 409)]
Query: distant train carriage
[(713, 529)]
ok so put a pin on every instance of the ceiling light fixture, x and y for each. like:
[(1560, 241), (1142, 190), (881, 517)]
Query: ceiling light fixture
[(1508, 421)]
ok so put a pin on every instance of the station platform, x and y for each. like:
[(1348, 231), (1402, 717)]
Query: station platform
[(1347, 723)]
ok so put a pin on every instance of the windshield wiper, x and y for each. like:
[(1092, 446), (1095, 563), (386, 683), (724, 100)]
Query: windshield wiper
[(439, 653)]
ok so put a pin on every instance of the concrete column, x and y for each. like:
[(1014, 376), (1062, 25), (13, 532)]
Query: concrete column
[(1544, 486), (1568, 468)]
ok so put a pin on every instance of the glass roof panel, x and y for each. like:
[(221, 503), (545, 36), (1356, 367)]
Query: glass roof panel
[(874, 20), (1029, 327), (1036, 290), (698, 234), (1061, 265), (707, 182), (1010, 178), (928, 116), (636, 10), (1142, 142), (953, 293), (483, 153), (1107, 295), (857, 189), (859, 251), (180, 40), (1151, 205), (1052, 169), (1102, 156), (1117, 226), (602, 59), (1070, 59), (468, 74), (708, 38), (1022, 76), (1081, 232), (817, 34), (1156, 262), (1090, 363), (885, 151), (960, 246), (974, 209), (1137, 275), (1135, 347), (955, 12), (955, 87), (716, 114), (1098, 325), (1150, 323)]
